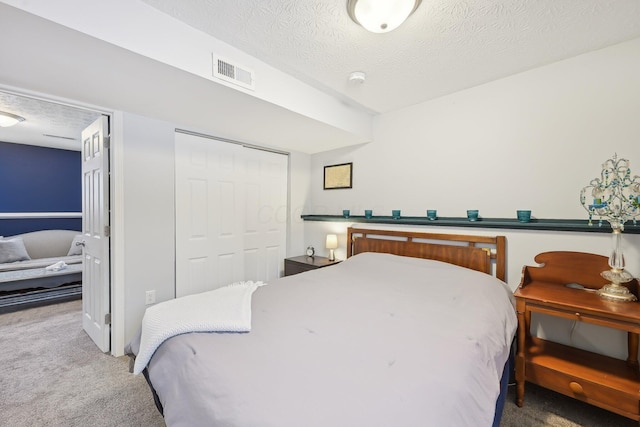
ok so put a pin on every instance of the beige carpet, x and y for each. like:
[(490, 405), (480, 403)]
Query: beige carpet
[(51, 374)]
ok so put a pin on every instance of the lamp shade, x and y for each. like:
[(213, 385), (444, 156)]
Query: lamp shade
[(8, 119), (381, 16), (332, 241)]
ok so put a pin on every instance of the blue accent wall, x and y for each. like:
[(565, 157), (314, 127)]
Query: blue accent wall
[(39, 179)]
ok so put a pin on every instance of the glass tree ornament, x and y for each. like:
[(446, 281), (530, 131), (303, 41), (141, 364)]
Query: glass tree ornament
[(616, 197)]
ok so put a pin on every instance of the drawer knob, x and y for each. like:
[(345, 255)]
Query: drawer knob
[(576, 388)]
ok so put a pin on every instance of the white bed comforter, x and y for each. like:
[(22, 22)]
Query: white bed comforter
[(226, 309), (377, 340)]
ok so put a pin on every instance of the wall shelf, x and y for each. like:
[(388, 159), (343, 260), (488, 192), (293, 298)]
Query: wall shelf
[(576, 225)]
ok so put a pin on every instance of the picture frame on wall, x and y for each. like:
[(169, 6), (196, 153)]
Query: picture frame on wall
[(338, 176)]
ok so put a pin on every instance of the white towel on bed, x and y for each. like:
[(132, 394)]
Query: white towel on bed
[(226, 309)]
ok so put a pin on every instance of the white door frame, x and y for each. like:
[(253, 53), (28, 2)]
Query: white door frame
[(116, 216), (116, 190)]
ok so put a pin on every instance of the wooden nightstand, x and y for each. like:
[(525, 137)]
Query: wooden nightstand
[(299, 264), (600, 380)]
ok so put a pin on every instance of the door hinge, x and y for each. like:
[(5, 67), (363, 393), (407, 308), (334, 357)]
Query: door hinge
[(107, 319), (107, 142), (107, 231)]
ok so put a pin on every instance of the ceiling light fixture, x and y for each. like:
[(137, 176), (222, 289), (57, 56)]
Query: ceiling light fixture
[(8, 119), (381, 16)]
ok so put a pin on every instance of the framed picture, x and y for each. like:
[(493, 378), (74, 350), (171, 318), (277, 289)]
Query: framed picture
[(338, 176)]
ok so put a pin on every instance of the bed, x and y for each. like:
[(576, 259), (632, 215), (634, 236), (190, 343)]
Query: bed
[(384, 338)]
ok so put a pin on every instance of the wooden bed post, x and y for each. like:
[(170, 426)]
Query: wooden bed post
[(350, 240), (501, 258)]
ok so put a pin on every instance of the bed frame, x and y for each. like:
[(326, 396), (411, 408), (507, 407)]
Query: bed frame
[(474, 252)]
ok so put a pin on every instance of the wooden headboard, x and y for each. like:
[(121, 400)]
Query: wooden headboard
[(475, 252)]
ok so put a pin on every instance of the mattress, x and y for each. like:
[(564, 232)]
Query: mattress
[(377, 340)]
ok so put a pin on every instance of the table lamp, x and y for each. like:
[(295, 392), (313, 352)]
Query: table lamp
[(332, 243)]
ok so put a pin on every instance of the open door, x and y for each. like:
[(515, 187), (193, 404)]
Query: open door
[(95, 232)]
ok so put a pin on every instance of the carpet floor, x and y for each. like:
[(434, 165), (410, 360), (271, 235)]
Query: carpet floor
[(51, 374)]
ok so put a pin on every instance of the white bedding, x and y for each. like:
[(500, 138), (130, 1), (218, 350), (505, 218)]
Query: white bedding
[(226, 309), (377, 340)]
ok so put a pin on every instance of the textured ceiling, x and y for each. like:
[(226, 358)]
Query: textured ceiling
[(444, 47), (47, 123)]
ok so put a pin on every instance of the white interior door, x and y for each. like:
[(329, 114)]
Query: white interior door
[(230, 213), (95, 222)]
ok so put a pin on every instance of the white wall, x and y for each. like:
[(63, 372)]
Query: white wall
[(146, 229), (148, 208), (299, 189), (140, 28), (530, 141)]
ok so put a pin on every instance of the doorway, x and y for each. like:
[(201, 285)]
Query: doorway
[(55, 126)]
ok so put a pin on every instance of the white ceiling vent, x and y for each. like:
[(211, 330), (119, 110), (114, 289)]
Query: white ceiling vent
[(233, 73)]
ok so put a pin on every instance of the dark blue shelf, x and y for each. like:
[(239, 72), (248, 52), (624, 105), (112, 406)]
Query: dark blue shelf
[(577, 225)]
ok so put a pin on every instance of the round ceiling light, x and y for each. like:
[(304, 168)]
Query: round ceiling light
[(381, 16), (8, 119)]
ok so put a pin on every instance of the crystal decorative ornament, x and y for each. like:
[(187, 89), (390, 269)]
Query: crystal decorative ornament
[(614, 197)]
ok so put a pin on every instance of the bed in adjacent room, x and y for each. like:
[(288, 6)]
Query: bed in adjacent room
[(384, 338)]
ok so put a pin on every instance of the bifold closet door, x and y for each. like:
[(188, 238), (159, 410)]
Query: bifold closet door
[(230, 213)]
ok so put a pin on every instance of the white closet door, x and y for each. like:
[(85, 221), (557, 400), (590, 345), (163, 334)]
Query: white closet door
[(228, 222), (265, 216)]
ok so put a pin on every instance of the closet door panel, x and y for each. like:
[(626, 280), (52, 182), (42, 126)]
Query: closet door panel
[(266, 207), (231, 204)]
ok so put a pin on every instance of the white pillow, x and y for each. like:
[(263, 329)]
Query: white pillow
[(76, 249), (12, 250)]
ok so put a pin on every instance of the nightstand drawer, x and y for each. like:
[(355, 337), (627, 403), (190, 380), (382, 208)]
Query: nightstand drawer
[(301, 264), (295, 268), (626, 404), (580, 316)]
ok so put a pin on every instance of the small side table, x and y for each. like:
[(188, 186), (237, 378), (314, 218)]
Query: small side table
[(303, 263), (603, 381)]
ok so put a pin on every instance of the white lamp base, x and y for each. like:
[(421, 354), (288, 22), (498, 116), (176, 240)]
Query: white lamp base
[(332, 255)]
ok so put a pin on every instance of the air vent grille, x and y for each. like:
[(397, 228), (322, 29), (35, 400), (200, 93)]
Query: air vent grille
[(233, 73)]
